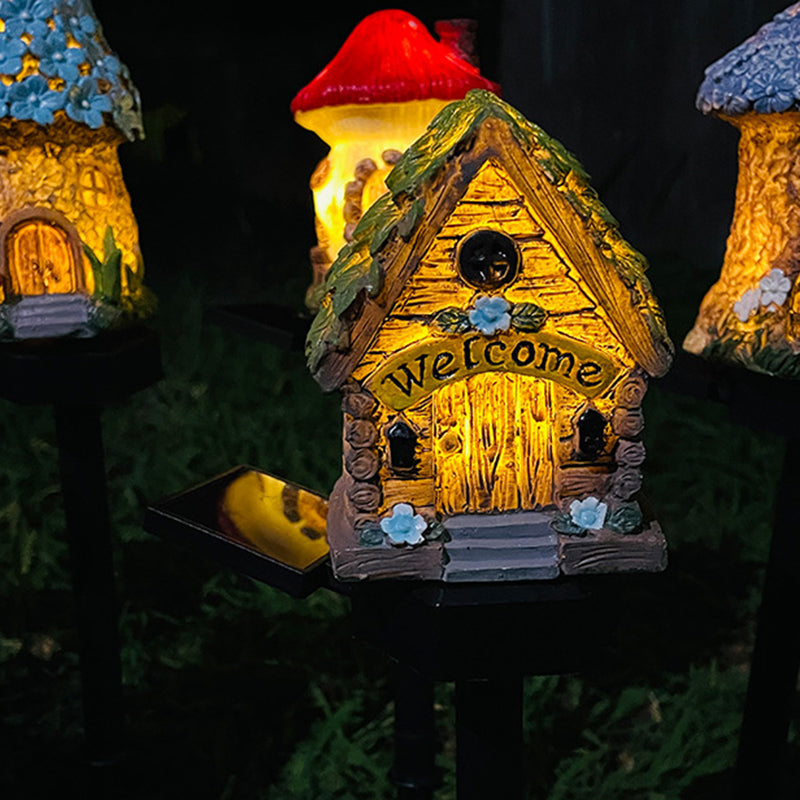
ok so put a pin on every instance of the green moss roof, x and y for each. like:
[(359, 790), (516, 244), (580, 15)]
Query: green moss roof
[(356, 267)]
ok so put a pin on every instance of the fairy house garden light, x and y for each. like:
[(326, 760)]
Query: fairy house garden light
[(70, 262), (492, 335), (751, 315), (377, 95)]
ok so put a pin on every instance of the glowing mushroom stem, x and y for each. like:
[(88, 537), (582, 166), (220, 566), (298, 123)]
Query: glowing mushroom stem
[(356, 132)]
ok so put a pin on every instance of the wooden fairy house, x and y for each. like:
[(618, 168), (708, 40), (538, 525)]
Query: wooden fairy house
[(70, 262), (751, 315), (492, 335), (374, 98)]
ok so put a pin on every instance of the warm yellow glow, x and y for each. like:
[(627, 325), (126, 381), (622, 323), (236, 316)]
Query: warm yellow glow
[(354, 133), (761, 245), (500, 409), (30, 66), (419, 370), (283, 521), (75, 172)]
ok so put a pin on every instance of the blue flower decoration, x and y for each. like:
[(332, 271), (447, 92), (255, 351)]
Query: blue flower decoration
[(404, 526), (77, 21), (589, 513), (32, 98), (771, 91), (11, 50), (86, 104), (490, 314), (108, 67), (55, 58), (26, 16), (3, 100)]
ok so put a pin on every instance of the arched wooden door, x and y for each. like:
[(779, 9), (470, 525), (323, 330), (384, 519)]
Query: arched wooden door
[(493, 444), (41, 255)]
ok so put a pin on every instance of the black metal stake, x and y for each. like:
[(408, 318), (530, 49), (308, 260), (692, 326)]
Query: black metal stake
[(414, 770), (83, 483), (489, 739), (776, 655)]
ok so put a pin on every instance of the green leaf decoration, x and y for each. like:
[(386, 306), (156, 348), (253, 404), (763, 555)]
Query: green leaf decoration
[(108, 272), (436, 532), (452, 320), (407, 223), (352, 279), (327, 332), (527, 317), (625, 519), (371, 536), (563, 523)]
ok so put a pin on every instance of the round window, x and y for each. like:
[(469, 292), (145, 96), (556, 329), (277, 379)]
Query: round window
[(487, 259)]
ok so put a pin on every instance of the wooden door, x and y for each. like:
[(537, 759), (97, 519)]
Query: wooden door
[(493, 444), (40, 259)]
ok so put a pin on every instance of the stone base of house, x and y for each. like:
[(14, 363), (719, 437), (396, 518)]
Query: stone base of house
[(604, 552), (489, 548), (353, 561)]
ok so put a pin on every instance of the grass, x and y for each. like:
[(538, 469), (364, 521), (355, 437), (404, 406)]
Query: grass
[(236, 692)]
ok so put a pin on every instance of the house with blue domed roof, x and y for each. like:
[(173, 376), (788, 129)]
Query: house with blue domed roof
[(751, 315), (70, 262)]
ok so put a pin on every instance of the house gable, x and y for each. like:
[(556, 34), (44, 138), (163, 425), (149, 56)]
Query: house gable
[(492, 202), (428, 184)]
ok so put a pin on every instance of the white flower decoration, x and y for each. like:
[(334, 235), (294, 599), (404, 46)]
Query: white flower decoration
[(747, 304), (589, 513), (774, 287)]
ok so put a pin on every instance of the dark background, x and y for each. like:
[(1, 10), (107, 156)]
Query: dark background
[(220, 185), (217, 674)]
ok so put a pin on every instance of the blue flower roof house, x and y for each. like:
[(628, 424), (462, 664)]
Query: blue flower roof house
[(70, 262), (751, 315)]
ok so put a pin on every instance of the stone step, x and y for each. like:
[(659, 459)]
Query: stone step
[(515, 558), (50, 315), (517, 547), (526, 524), (491, 572)]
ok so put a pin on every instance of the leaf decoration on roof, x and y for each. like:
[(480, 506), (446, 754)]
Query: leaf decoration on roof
[(401, 209), (355, 270)]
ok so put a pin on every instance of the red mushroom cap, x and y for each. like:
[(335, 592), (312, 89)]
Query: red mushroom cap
[(390, 57)]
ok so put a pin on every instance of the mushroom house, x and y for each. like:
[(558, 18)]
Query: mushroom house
[(492, 335), (374, 98), (70, 262), (751, 315)]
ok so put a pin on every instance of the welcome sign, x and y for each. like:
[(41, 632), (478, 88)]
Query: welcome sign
[(419, 370)]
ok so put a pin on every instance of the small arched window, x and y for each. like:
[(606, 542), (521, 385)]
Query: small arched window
[(591, 433), (402, 447)]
